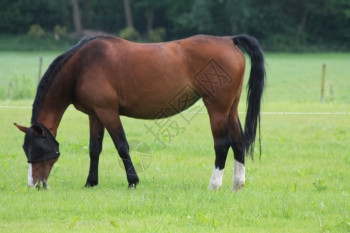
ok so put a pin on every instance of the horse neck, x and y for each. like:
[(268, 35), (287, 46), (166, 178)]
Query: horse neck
[(53, 106)]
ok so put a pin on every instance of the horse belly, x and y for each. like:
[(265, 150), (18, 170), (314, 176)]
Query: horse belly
[(160, 105)]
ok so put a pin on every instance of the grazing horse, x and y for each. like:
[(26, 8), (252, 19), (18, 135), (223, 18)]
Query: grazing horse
[(106, 77)]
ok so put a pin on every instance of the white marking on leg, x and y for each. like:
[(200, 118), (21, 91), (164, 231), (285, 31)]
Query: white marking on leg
[(30, 175), (216, 179), (239, 176)]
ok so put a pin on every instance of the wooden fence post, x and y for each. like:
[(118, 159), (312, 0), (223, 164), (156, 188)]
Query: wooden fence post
[(323, 82), (10, 91)]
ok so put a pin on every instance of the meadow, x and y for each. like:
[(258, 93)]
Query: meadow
[(300, 183)]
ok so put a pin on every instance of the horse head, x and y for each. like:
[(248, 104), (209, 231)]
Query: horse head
[(42, 151)]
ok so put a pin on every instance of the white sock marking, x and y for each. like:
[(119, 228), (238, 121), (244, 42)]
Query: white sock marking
[(239, 175), (30, 175), (216, 179)]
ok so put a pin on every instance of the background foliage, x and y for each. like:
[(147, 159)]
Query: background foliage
[(288, 25)]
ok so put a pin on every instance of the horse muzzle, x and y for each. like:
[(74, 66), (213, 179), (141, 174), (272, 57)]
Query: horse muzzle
[(38, 174)]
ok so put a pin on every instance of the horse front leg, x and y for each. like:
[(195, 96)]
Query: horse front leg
[(95, 148), (111, 120)]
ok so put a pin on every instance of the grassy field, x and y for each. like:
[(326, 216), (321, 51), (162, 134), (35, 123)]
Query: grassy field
[(300, 183)]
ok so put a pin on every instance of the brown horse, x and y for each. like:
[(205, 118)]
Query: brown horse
[(106, 77)]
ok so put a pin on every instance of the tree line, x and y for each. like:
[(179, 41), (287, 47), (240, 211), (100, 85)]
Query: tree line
[(287, 25)]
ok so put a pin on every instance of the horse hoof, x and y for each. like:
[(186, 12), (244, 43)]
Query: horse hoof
[(90, 184), (213, 187), (238, 187), (132, 186)]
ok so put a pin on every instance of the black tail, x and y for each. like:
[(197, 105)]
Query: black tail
[(255, 87)]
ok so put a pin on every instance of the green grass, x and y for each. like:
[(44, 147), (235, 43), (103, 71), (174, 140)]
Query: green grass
[(18, 68), (296, 78), (300, 183)]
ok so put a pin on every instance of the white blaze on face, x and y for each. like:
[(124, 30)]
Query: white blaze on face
[(30, 175), (216, 179), (239, 175)]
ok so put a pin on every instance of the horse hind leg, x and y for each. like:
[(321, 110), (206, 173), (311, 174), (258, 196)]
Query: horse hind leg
[(220, 130), (111, 121), (237, 144)]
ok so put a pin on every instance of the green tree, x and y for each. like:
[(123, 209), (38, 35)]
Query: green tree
[(278, 24), (199, 18), (149, 9), (13, 16), (128, 14), (17, 16), (77, 19)]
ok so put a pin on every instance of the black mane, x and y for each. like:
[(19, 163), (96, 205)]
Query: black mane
[(50, 75)]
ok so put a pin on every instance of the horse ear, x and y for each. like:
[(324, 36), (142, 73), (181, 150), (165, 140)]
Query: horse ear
[(38, 130), (20, 127)]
